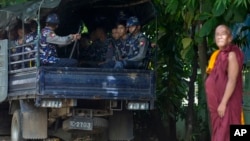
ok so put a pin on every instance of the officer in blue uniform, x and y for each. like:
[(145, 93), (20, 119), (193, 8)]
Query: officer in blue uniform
[(118, 46), (138, 46), (123, 44), (30, 48), (49, 41), (112, 52)]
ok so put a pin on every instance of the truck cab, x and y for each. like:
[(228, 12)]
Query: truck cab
[(71, 103)]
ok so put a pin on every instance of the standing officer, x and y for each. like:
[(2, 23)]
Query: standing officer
[(49, 41)]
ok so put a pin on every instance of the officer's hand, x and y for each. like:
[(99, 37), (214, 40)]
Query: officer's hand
[(77, 36)]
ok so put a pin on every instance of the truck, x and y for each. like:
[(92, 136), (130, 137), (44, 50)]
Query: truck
[(69, 103)]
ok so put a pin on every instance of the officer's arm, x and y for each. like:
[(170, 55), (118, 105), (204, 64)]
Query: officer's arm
[(143, 46), (59, 40)]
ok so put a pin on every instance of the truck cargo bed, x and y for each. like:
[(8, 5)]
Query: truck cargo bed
[(83, 83)]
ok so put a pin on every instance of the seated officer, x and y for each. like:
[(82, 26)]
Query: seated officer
[(138, 46), (112, 51), (49, 41), (119, 46)]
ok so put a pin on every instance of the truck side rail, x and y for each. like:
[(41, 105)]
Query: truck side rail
[(21, 59), (22, 70)]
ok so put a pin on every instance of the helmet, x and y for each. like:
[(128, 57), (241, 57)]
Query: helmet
[(133, 21), (52, 18)]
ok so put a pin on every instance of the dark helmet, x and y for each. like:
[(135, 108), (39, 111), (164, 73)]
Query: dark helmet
[(133, 21), (52, 18)]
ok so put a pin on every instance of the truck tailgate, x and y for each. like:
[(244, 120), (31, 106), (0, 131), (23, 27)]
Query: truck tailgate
[(95, 83)]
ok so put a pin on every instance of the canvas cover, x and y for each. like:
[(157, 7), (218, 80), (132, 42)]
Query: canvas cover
[(28, 10)]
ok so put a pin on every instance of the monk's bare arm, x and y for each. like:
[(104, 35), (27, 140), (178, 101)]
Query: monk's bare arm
[(233, 72)]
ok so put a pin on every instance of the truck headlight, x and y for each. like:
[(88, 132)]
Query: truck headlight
[(138, 106)]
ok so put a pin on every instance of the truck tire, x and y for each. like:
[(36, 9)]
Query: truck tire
[(16, 127)]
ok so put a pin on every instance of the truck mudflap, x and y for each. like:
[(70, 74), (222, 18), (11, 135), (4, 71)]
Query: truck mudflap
[(34, 121), (3, 69)]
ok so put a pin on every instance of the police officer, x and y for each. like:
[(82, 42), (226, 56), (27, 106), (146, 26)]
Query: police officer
[(49, 41), (110, 50), (138, 46), (98, 48), (123, 43), (118, 45)]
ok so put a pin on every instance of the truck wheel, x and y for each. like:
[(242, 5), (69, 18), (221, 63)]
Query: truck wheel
[(16, 127)]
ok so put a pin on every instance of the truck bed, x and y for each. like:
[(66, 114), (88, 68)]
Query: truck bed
[(82, 83)]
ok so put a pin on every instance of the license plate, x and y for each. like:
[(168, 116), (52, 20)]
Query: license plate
[(79, 123)]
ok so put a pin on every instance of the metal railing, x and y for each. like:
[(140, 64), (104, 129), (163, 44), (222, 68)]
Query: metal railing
[(23, 57)]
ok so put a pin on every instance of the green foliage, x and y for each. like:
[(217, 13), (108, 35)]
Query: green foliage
[(4, 3), (171, 85), (240, 3), (186, 42), (219, 3), (219, 10), (184, 24), (203, 16), (208, 27), (172, 6)]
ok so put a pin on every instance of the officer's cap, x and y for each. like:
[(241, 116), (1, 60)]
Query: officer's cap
[(52, 18), (133, 21)]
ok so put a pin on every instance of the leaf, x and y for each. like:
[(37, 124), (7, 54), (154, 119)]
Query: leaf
[(207, 5), (218, 11), (172, 7), (229, 15), (189, 18), (221, 3), (186, 42), (239, 3), (204, 16), (239, 14), (207, 27)]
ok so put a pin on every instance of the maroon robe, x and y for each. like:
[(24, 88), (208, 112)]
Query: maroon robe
[(215, 88)]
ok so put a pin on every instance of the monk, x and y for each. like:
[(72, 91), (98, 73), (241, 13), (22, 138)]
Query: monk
[(224, 86)]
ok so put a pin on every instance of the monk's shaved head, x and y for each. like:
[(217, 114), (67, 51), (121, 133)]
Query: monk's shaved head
[(223, 36), (226, 28)]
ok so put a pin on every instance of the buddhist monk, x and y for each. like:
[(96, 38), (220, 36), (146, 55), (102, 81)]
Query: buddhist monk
[(224, 86)]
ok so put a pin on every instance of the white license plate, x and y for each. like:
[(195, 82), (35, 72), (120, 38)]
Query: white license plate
[(81, 123)]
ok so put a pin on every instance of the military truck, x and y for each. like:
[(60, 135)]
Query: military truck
[(71, 103)]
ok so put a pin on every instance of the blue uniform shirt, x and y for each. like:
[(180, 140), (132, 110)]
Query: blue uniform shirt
[(48, 43), (124, 47), (138, 47)]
